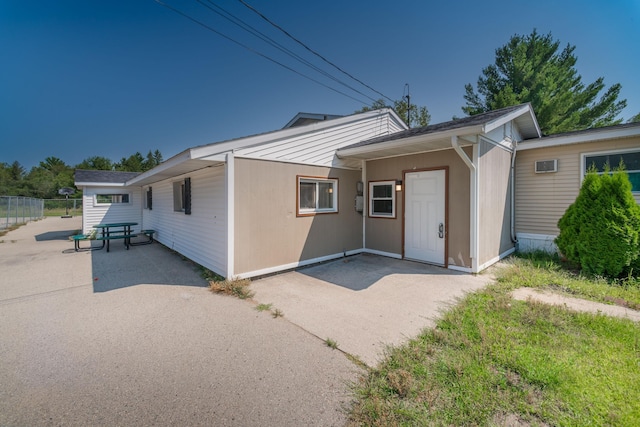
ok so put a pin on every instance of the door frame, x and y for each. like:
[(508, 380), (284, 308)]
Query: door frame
[(445, 262)]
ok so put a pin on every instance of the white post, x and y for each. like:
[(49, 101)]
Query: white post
[(230, 187)]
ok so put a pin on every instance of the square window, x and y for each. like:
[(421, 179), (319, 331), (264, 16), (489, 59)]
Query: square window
[(317, 195), (382, 199)]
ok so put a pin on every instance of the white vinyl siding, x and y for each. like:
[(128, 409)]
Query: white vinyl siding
[(98, 213), (319, 148), (542, 199), (200, 236)]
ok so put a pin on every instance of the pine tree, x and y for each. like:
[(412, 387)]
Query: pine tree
[(532, 69)]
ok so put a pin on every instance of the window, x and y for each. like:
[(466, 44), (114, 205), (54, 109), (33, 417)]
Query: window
[(149, 199), (178, 196), (317, 195), (382, 199), (631, 160), (111, 198), (182, 196)]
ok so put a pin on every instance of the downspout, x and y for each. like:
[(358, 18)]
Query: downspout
[(364, 205), (514, 239), (474, 189)]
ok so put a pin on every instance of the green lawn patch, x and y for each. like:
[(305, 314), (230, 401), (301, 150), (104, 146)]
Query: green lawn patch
[(492, 360)]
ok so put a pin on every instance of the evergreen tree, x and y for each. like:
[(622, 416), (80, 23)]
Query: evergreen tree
[(532, 69), (418, 117), (600, 231)]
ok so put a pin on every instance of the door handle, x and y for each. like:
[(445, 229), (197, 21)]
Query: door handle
[(441, 230)]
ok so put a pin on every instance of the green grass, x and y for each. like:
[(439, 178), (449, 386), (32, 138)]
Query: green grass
[(331, 343), (264, 307), (492, 360)]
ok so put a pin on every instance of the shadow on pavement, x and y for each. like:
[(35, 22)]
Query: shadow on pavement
[(55, 235), (152, 264), (359, 272)]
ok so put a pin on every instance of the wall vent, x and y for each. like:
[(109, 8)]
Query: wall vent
[(546, 166)]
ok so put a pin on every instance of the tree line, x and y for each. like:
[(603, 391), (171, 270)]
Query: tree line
[(52, 174), (532, 68)]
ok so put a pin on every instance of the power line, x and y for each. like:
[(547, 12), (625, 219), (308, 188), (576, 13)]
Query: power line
[(311, 50), (202, 24), (257, 33)]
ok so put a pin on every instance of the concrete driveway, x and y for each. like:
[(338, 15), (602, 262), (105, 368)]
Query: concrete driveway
[(366, 302), (135, 338)]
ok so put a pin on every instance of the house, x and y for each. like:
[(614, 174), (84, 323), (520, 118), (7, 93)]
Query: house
[(253, 205), (549, 172), (327, 186)]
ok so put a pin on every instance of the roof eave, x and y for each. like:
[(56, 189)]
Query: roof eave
[(400, 143)]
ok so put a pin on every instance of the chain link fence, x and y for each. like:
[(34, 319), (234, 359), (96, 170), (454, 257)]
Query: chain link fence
[(60, 207), (19, 210)]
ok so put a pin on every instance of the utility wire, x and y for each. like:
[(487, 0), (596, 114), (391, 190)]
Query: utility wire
[(257, 33), (311, 50), (179, 12)]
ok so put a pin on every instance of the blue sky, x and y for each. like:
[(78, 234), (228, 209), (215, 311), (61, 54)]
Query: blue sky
[(86, 78)]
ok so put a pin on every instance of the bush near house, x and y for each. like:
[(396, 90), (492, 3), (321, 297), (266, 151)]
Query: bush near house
[(600, 231)]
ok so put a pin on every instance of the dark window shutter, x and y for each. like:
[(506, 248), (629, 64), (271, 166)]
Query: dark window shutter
[(187, 196), (149, 199)]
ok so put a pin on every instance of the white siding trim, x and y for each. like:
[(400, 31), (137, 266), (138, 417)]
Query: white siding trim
[(458, 268), (230, 188), (496, 259), (297, 264), (381, 253), (529, 242)]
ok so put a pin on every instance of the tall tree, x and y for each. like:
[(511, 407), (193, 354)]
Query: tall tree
[(96, 163), (418, 116), (133, 163), (532, 69)]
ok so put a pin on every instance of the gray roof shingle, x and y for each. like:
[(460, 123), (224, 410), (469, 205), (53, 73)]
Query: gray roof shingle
[(105, 177), (478, 119)]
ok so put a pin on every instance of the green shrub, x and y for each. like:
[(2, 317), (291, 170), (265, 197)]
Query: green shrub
[(600, 231)]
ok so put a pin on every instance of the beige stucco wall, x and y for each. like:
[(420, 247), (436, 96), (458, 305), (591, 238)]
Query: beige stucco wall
[(541, 199), (267, 231), (384, 234), (494, 202)]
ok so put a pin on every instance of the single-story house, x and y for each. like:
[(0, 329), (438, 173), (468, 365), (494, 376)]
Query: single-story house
[(328, 186), (550, 170)]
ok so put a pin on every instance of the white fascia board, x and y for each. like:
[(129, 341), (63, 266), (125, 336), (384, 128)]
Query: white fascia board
[(500, 121), (206, 151), (172, 162), (582, 137), (403, 142), (100, 184), (293, 162)]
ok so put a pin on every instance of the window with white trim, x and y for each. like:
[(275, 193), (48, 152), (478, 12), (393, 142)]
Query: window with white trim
[(630, 158), (111, 198), (382, 199), (317, 195), (178, 196)]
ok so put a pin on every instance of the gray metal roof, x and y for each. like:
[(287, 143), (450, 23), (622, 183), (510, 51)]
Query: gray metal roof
[(105, 177), (478, 119)]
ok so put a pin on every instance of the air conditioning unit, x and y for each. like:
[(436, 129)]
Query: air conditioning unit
[(546, 166)]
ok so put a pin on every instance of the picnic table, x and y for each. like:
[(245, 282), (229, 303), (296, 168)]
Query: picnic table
[(117, 230)]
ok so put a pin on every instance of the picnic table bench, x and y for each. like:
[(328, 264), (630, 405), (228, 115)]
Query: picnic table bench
[(115, 231)]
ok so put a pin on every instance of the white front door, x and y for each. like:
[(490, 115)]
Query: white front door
[(424, 227)]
